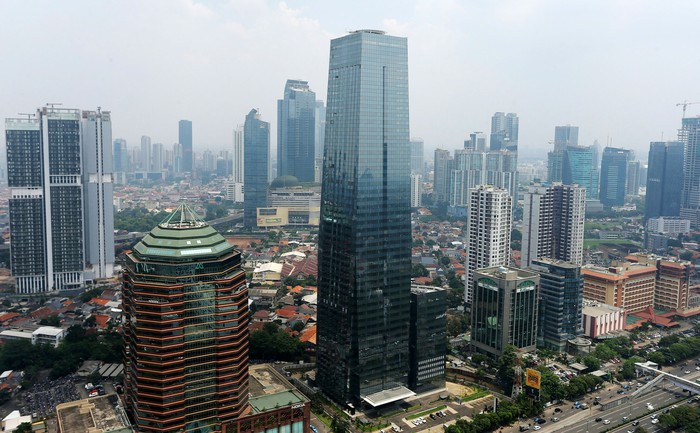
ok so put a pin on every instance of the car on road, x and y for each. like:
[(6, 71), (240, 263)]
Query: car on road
[(557, 410), (524, 428), (315, 430), (635, 423), (655, 421), (606, 421), (537, 428), (598, 419), (554, 419), (625, 418), (687, 372)]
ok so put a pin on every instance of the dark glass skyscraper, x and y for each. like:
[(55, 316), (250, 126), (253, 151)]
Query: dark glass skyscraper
[(296, 127), (185, 139), (664, 179), (364, 272), (256, 162), (689, 135), (613, 176)]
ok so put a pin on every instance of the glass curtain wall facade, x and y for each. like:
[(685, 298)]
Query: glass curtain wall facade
[(364, 273), (185, 139), (613, 176), (689, 135), (664, 179), (428, 337), (185, 328), (578, 169), (296, 128), (561, 302), (256, 160)]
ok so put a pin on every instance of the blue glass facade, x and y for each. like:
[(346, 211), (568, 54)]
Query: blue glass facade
[(256, 160), (561, 302), (185, 139), (578, 169), (296, 128), (664, 179), (613, 176), (365, 230)]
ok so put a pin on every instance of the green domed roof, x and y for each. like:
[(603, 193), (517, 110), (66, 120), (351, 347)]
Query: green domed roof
[(285, 182), (182, 236)]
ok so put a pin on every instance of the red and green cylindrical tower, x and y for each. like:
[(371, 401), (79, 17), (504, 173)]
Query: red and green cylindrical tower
[(186, 328)]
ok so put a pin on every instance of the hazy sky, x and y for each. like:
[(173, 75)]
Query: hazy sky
[(614, 68)]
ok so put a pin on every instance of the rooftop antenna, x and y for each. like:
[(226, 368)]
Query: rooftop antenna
[(53, 104)]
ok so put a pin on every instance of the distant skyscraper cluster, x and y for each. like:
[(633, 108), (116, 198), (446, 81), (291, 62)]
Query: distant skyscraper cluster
[(61, 212), (504, 132), (296, 131)]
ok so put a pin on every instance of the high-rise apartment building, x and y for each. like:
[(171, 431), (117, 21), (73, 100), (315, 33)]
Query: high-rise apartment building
[(561, 302), (506, 303), (473, 168), (553, 223), (364, 270), (256, 160), (238, 164), (441, 175), (185, 139), (146, 153), (489, 224), (477, 141), (417, 163), (98, 213), (555, 166), (156, 165), (59, 174), (416, 190), (296, 130), (613, 176), (185, 328), (634, 172), (689, 135), (664, 179), (504, 132), (565, 136), (578, 169)]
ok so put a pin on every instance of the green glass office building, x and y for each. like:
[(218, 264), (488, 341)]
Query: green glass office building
[(364, 273)]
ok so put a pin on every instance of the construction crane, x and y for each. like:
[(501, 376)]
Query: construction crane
[(685, 104)]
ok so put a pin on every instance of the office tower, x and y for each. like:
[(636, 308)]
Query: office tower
[(441, 177), (59, 174), (505, 310), (555, 166), (177, 158), (504, 132), (643, 172), (565, 136), (296, 130), (120, 161), (146, 151), (597, 153), (634, 169), (578, 169), (98, 213), (427, 337), (489, 224), (672, 280), (238, 162), (561, 302), (669, 226), (416, 190), (156, 165), (256, 160), (629, 285), (320, 135), (364, 270), (613, 176), (553, 220), (689, 135), (185, 139), (473, 168), (185, 328), (417, 164)]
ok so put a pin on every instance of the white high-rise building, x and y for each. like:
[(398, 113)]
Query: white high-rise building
[(146, 151), (238, 154), (61, 210), (416, 190), (157, 158), (553, 223), (488, 231)]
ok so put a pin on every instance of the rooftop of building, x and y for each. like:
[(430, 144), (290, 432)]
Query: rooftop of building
[(618, 272), (559, 263), (270, 390), (183, 234), (48, 330), (417, 288), (595, 309), (95, 415), (507, 273)]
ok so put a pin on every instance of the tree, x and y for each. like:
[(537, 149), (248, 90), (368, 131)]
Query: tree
[(25, 427), (640, 429), (505, 366), (51, 320), (686, 255), (445, 261), (591, 362)]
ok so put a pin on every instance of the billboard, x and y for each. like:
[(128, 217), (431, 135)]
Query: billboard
[(533, 378)]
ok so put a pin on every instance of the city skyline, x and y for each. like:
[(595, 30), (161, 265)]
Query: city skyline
[(618, 75)]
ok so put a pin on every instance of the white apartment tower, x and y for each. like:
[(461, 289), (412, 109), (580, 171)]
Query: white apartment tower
[(489, 224), (61, 212), (553, 220), (416, 189)]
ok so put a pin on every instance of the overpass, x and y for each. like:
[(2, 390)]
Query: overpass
[(661, 376)]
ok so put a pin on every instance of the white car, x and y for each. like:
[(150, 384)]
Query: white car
[(536, 427), (655, 420), (606, 421)]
